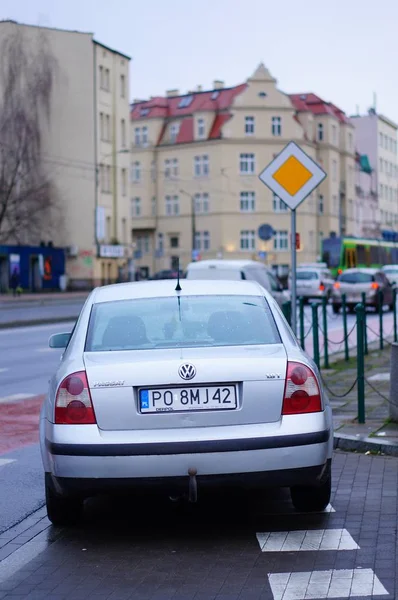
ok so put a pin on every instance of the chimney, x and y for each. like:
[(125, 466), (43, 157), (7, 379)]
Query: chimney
[(172, 93), (218, 84), (199, 88), (137, 100)]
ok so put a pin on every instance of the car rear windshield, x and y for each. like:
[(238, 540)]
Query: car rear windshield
[(307, 275), (356, 278), (391, 271), (178, 322)]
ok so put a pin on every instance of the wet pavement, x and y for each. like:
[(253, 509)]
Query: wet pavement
[(224, 548)]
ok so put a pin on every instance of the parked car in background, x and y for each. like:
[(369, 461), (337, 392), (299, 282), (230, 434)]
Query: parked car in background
[(313, 282), (355, 281), (180, 389), (166, 274), (235, 270), (391, 272)]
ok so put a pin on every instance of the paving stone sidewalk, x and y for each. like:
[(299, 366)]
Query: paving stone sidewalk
[(378, 433)]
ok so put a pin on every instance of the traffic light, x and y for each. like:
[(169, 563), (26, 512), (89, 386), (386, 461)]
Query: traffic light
[(298, 245)]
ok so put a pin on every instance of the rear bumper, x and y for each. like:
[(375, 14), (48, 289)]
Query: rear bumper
[(179, 485)]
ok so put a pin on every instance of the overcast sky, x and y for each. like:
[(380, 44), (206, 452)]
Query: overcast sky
[(343, 50)]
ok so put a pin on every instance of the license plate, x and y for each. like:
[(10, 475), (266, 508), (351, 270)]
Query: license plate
[(220, 397)]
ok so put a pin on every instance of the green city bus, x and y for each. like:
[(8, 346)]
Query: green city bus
[(340, 253)]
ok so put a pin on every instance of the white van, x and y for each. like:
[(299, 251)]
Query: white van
[(236, 270)]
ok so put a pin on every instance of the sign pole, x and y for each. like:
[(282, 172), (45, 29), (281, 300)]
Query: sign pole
[(294, 265)]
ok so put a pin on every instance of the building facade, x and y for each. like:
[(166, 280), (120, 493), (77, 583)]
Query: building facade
[(376, 137), (195, 161), (85, 147)]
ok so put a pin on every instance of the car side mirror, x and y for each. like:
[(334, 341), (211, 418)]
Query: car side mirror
[(59, 340)]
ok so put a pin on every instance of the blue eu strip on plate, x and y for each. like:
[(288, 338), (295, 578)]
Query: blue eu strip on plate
[(144, 398)]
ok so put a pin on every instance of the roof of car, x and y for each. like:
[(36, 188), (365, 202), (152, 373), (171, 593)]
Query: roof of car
[(225, 264), (164, 288), (368, 271)]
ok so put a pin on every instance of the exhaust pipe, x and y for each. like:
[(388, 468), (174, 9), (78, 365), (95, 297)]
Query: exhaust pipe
[(193, 486)]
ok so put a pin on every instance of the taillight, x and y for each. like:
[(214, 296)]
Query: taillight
[(339, 271), (336, 285), (302, 393), (375, 285), (321, 287), (73, 405)]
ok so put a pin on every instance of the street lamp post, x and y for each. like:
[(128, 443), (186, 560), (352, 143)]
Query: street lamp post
[(193, 222)]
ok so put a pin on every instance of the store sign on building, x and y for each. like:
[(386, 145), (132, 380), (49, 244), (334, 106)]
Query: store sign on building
[(111, 252)]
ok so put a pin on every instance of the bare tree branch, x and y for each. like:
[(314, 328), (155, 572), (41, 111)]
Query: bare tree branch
[(27, 196)]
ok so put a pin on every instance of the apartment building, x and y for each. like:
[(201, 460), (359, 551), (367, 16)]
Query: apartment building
[(85, 148), (376, 137), (195, 160)]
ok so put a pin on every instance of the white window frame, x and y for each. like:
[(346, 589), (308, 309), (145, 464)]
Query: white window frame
[(321, 204), (167, 168), (174, 131), (123, 133), (276, 126), (123, 176), (278, 206), (202, 241), (201, 129), (201, 203), (174, 167), (135, 207), (249, 125), (247, 163), (320, 134), (281, 240), (334, 170), (144, 134), (136, 172), (122, 86), (137, 136), (201, 167), (247, 240), (247, 202)]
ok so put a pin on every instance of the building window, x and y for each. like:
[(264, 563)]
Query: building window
[(321, 205), (174, 129), (167, 169), (201, 203), (334, 134), (249, 125), (135, 207), (172, 206), (334, 170), (201, 165), (144, 132), (101, 126), (174, 241), (108, 228), (174, 164), (381, 165), (185, 101), (101, 76), (350, 140), (105, 80), (247, 164), (201, 128), (278, 205), (108, 132), (124, 182), (144, 243), (247, 201), (247, 240), (281, 240), (202, 240), (137, 136), (320, 132), (123, 132), (122, 86), (153, 206), (320, 240), (136, 172), (276, 126)]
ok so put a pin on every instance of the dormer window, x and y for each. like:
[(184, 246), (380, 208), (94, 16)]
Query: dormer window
[(174, 129), (215, 95), (144, 112), (185, 101)]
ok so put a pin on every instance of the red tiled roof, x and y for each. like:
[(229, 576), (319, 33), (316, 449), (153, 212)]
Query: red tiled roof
[(313, 103), (217, 101), (215, 131), (185, 133)]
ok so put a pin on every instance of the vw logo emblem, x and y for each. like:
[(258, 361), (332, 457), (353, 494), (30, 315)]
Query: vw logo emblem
[(187, 371)]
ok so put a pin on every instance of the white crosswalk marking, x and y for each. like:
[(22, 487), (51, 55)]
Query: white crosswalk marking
[(306, 540), (6, 461), (339, 583)]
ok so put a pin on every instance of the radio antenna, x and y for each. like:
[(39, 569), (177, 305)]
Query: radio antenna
[(178, 287)]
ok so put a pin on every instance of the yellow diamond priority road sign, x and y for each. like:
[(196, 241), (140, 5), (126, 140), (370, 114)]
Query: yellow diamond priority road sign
[(292, 175)]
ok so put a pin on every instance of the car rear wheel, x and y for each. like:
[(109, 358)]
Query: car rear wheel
[(311, 498), (61, 510)]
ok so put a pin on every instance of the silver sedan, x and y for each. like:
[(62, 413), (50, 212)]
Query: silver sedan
[(181, 389)]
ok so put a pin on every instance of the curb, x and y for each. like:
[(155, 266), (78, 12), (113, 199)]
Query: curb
[(364, 444), (33, 322)]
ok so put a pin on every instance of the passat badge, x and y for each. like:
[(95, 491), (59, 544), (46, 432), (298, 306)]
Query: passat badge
[(108, 383)]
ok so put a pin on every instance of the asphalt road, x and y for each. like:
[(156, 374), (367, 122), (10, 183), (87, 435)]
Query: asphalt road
[(26, 361)]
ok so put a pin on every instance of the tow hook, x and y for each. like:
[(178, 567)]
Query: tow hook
[(193, 486)]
